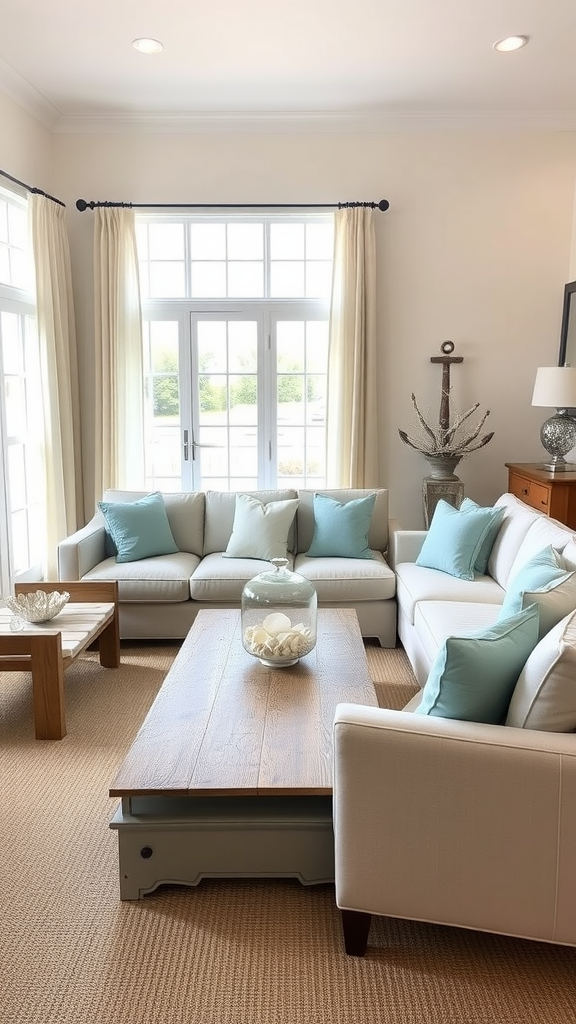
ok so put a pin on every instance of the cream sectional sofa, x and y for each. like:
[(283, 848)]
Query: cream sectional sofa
[(433, 605), (475, 823), (160, 596)]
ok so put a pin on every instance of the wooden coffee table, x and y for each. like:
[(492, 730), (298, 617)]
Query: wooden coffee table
[(231, 772), (46, 649)]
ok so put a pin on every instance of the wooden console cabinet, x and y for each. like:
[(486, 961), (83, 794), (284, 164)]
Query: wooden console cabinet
[(551, 493)]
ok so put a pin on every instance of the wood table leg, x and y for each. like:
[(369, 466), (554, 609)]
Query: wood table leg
[(48, 686), (109, 643)]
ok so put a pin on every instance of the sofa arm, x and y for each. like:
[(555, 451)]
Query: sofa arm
[(405, 546), (82, 550), (455, 822)]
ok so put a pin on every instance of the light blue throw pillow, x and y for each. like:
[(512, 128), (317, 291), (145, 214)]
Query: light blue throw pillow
[(545, 581), (139, 529), (481, 563), (341, 528), (473, 677), (454, 539)]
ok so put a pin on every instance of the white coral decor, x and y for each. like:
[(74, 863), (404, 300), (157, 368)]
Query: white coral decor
[(38, 606), (276, 637)]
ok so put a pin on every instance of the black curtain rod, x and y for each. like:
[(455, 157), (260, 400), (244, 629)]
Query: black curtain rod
[(82, 205), (30, 188)]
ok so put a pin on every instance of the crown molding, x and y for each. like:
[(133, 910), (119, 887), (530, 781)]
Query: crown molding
[(27, 97), (275, 122), (315, 122)]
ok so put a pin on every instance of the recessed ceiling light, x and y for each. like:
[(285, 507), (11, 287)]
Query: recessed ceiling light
[(147, 46), (511, 43)]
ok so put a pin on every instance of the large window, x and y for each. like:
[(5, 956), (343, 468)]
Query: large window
[(21, 493), (235, 349)]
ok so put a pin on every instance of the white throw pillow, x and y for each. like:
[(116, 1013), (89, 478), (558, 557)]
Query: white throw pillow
[(261, 530), (544, 697)]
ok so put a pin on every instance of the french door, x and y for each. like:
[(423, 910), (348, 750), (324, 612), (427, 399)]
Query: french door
[(235, 401)]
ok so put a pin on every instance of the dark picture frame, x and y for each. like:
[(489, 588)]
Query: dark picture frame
[(567, 353)]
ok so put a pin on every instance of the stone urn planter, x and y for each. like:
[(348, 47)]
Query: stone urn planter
[(442, 466)]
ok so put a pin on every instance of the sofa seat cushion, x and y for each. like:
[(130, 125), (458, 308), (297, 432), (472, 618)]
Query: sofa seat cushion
[(435, 621), (162, 578), (218, 578), (348, 579), (416, 583)]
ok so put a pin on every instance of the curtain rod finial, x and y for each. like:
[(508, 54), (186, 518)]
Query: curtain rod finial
[(383, 205), (81, 205)]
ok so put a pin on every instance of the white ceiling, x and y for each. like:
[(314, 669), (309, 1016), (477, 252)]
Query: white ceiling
[(387, 62)]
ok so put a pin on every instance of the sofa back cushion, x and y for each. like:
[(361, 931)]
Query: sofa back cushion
[(518, 519), (544, 697), (220, 511), (378, 533), (185, 511)]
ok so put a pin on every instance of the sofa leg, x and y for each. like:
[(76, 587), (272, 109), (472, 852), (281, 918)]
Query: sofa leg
[(355, 925)]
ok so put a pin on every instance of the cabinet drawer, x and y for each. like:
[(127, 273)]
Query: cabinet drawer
[(534, 494)]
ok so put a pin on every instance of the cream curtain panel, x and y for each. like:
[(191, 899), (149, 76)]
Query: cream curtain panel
[(351, 413), (59, 370), (119, 420)]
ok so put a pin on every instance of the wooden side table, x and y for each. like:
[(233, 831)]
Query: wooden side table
[(47, 649), (548, 492)]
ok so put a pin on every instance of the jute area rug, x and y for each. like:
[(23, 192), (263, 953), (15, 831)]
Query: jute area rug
[(226, 952)]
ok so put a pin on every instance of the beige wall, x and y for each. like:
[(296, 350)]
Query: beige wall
[(26, 148), (476, 248)]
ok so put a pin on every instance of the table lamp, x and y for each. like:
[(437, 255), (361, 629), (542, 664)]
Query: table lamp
[(555, 386)]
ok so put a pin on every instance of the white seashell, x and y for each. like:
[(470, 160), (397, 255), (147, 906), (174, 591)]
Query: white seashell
[(38, 606), (259, 635), (276, 623)]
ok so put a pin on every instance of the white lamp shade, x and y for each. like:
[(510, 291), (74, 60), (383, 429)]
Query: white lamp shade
[(555, 387)]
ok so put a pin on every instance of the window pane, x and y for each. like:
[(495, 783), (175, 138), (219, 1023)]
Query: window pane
[(245, 241), (291, 451), (290, 399), (318, 279), (213, 398), (243, 345), (286, 280), (317, 346), (166, 241), (246, 280), (243, 399), (319, 241), (287, 241), (18, 227), (212, 346), (12, 348), (17, 475), (4, 264), (167, 280), (208, 280), (20, 552), (208, 241), (243, 451), (15, 393), (290, 345), (162, 404)]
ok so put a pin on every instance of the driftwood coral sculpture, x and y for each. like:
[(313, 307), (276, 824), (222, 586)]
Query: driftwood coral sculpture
[(448, 441)]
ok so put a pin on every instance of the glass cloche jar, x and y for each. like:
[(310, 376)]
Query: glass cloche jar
[(279, 616)]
